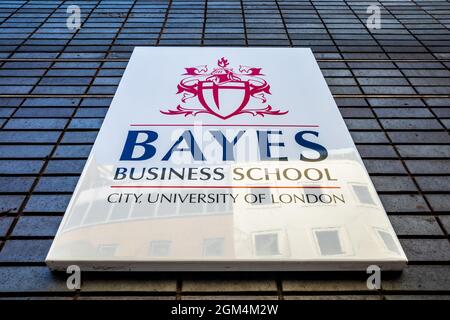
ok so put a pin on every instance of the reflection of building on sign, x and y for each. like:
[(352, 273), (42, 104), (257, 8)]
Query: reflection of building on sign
[(247, 165)]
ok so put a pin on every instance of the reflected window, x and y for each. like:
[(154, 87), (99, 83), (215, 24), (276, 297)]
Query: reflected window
[(389, 241), (363, 194), (107, 250), (266, 244), (329, 242), (160, 248), (213, 247)]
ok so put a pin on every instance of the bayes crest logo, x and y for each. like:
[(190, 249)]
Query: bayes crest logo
[(223, 92)]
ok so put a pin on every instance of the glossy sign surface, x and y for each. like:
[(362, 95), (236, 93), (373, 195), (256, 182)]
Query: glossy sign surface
[(224, 159)]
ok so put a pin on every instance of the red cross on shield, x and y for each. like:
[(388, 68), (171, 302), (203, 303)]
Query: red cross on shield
[(224, 100)]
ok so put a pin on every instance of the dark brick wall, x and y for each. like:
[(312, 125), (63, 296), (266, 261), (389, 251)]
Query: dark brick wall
[(392, 86)]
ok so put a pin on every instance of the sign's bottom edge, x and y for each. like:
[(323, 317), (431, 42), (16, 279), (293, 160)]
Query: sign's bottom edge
[(259, 266)]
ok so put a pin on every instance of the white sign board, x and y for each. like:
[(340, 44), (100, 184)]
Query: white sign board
[(224, 159)]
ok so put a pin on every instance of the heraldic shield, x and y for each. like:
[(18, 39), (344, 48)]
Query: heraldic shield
[(223, 92), (224, 100)]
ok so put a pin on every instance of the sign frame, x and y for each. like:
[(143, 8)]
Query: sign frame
[(263, 96)]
